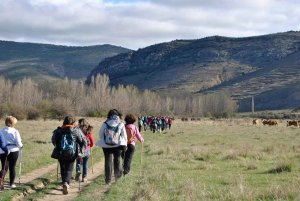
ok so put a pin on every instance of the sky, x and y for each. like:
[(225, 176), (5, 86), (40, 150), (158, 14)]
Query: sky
[(139, 23)]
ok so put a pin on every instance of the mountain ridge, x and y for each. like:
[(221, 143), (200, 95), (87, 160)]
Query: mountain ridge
[(211, 64), (43, 61)]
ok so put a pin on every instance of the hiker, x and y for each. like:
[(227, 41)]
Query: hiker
[(113, 140), (11, 143), (67, 140), (132, 134), (170, 122), (87, 153), (140, 124)]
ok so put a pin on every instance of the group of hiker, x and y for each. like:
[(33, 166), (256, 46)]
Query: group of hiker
[(156, 124), (73, 143)]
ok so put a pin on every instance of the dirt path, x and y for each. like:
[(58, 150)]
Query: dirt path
[(31, 175), (37, 173), (73, 190)]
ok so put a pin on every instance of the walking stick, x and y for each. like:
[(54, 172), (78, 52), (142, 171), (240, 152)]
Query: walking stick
[(20, 165), (79, 187), (57, 170), (92, 160)]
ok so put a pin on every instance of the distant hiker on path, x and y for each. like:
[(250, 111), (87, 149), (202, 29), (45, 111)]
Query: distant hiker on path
[(132, 134), (10, 144), (113, 140), (66, 140)]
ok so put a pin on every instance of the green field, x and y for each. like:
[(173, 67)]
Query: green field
[(204, 160), (212, 161)]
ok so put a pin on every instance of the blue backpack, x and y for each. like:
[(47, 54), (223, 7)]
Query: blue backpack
[(4, 148), (67, 145)]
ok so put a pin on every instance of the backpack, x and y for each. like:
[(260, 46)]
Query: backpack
[(130, 135), (67, 145), (111, 134)]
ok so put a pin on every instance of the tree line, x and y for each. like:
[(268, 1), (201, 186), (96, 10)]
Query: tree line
[(27, 99)]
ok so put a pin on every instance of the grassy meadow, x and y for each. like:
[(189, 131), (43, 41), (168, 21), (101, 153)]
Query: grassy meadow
[(226, 160), (201, 160)]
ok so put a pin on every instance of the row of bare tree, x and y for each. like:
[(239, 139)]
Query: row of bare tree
[(74, 97)]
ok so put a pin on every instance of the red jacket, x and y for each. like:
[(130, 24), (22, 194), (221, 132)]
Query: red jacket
[(90, 140)]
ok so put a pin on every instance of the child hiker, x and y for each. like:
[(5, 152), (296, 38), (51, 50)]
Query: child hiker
[(132, 134), (84, 160)]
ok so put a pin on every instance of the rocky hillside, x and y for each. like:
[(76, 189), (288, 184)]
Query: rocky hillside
[(42, 61), (263, 66)]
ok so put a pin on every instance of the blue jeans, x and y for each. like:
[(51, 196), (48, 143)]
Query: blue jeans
[(84, 164)]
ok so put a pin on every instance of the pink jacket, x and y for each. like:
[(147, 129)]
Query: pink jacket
[(136, 133)]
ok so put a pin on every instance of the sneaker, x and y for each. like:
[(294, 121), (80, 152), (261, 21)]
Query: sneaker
[(65, 188), (84, 179), (13, 186), (77, 176)]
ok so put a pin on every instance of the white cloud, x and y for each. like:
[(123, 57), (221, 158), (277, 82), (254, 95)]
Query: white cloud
[(136, 24)]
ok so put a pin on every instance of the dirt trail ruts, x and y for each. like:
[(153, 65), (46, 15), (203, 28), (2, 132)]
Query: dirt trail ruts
[(36, 173), (31, 175), (57, 194)]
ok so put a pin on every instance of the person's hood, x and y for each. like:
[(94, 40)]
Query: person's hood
[(113, 121)]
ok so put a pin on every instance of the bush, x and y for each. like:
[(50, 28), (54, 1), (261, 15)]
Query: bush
[(18, 111), (95, 113), (59, 112), (33, 114), (44, 108), (4, 110)]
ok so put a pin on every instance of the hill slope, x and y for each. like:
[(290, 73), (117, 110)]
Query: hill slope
[(240, 66), (39, 61)]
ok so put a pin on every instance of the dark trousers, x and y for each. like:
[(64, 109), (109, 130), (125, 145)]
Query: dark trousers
[(10, 164), (66, 169), (113, 157), (128, 158)]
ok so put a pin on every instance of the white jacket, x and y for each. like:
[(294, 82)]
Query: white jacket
[(122, 130), (11, 138)]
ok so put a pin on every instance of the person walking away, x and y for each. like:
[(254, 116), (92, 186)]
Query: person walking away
[(140, 124), (11, 144), (170, 122), (133, 134), (90, 143), (113, 140), (67, 140), (159, 124), (83, 125), (163, 123)]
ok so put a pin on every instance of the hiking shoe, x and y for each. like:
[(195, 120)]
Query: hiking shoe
[(84, 179), (13, 186), (65, 188), (77, 176)]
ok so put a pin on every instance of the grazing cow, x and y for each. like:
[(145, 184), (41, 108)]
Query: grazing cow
[(270, 122), (293, 123), (255, 121)]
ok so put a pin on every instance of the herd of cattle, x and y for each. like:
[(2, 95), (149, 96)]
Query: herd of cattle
[(266, 122), (274, 122)]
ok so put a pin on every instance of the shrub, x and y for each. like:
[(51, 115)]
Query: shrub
[(18, 111), (285, 167), (33, 114), (95, 113), (59, 111), (44, 108)]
